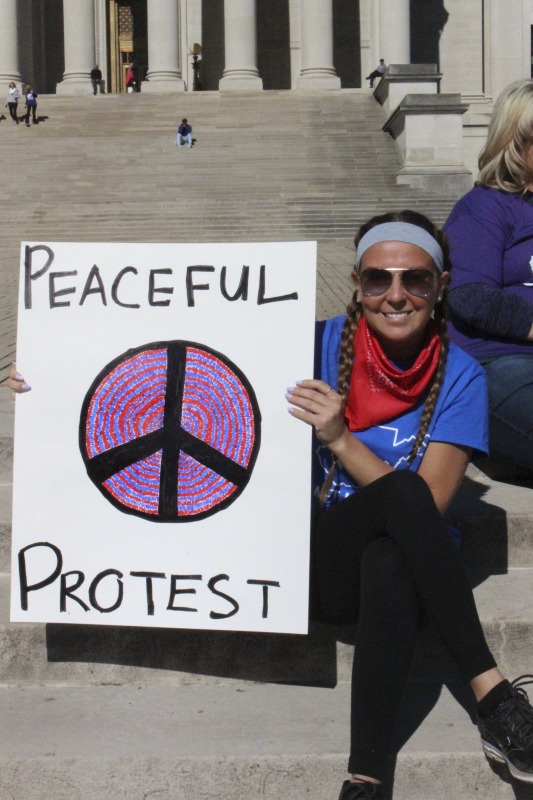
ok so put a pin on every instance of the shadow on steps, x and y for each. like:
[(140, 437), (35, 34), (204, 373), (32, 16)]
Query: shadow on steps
[(266, 657)]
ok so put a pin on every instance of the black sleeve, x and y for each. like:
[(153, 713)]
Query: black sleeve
[(319, 335), (491, 311)]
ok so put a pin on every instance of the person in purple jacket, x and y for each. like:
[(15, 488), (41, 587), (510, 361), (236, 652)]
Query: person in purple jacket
[(490, 234), (31, 105)]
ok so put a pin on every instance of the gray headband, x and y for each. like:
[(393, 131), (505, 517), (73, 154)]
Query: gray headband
[(400, 232)]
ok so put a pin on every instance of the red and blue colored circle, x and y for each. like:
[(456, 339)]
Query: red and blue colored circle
[(170, 431)]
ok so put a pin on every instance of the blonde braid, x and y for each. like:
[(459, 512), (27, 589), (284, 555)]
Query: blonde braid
[(434, 391), (353, 313), (346, 350)]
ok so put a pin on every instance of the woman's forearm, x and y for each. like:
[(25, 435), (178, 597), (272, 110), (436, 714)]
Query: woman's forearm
[(361, 464), (492, 311)]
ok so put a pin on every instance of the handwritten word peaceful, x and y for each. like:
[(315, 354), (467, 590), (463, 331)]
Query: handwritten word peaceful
[(121, 287)]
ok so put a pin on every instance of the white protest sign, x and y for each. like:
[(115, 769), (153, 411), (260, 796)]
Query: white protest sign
[(158, 478)]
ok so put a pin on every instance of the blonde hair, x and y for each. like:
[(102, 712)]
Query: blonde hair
[(502, 164), (354, 314)]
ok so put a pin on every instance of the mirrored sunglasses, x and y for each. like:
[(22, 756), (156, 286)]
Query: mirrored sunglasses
[(376, 281)]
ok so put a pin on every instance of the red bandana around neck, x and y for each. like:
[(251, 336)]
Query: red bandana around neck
[(379, 391)]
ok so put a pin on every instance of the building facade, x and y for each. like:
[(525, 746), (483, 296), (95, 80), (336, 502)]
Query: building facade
[(478, 45)]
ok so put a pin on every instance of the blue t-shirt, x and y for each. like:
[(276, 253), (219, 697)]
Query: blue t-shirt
[(490, 233), (460, 416)]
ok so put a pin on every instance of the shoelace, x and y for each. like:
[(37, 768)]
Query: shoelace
[(520, 702)]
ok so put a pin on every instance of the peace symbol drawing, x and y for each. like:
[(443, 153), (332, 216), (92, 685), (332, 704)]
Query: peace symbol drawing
[(170, 431)]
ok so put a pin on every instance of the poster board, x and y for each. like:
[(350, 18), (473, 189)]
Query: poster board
[(159, 480)]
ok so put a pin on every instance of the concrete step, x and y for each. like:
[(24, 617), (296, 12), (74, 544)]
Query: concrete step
[(92, 654), (7, 409), (249, 742), (6, 492), (495, 519)]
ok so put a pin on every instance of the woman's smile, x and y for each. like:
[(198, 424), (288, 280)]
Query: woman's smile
[(395, 314)]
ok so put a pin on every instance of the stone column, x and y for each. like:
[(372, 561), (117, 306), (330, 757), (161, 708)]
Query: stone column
[(317, 71), (78, 24), (164, 73), (295, 41), (240, 42), (100, 39), (394, 31), (9, 57)]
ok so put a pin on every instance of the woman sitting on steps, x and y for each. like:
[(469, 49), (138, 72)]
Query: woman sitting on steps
[(397, 413)]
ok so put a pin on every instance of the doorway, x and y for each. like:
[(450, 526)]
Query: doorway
[(128, 44)]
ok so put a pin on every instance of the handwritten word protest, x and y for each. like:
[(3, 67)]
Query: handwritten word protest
[(74, 586)]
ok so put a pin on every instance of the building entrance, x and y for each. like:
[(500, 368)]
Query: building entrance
[(127, 44)]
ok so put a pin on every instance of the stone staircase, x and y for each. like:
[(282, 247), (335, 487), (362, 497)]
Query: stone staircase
[(277, 166), (94, 713)]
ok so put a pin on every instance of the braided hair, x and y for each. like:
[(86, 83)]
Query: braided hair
[(354, 313)]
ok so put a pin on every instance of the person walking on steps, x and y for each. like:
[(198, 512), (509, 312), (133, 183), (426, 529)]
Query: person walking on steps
[(184, 135), (31, 105), (12, 99), (377, 73), (397, 412)]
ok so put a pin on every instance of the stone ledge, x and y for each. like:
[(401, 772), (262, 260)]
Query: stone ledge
[(453, 182), (414, 72), (431, 150), (423, 104), (401, 79), (407, 73)]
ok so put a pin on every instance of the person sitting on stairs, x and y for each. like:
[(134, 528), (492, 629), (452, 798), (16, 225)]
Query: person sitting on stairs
[(184, 134), (377, 73), (397, 413)]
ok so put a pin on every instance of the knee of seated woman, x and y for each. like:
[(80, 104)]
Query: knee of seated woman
[(403, 492), (403, 482), (383, 557)]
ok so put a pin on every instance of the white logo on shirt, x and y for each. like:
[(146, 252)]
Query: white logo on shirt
[(531, 265)]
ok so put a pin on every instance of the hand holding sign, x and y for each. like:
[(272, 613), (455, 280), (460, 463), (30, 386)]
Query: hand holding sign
[(15, 381)]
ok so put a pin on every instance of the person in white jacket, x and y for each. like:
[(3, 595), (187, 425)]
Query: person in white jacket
[(13, 95)]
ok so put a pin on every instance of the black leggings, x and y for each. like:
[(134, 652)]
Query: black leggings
[(382, 556), (33, 111)]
